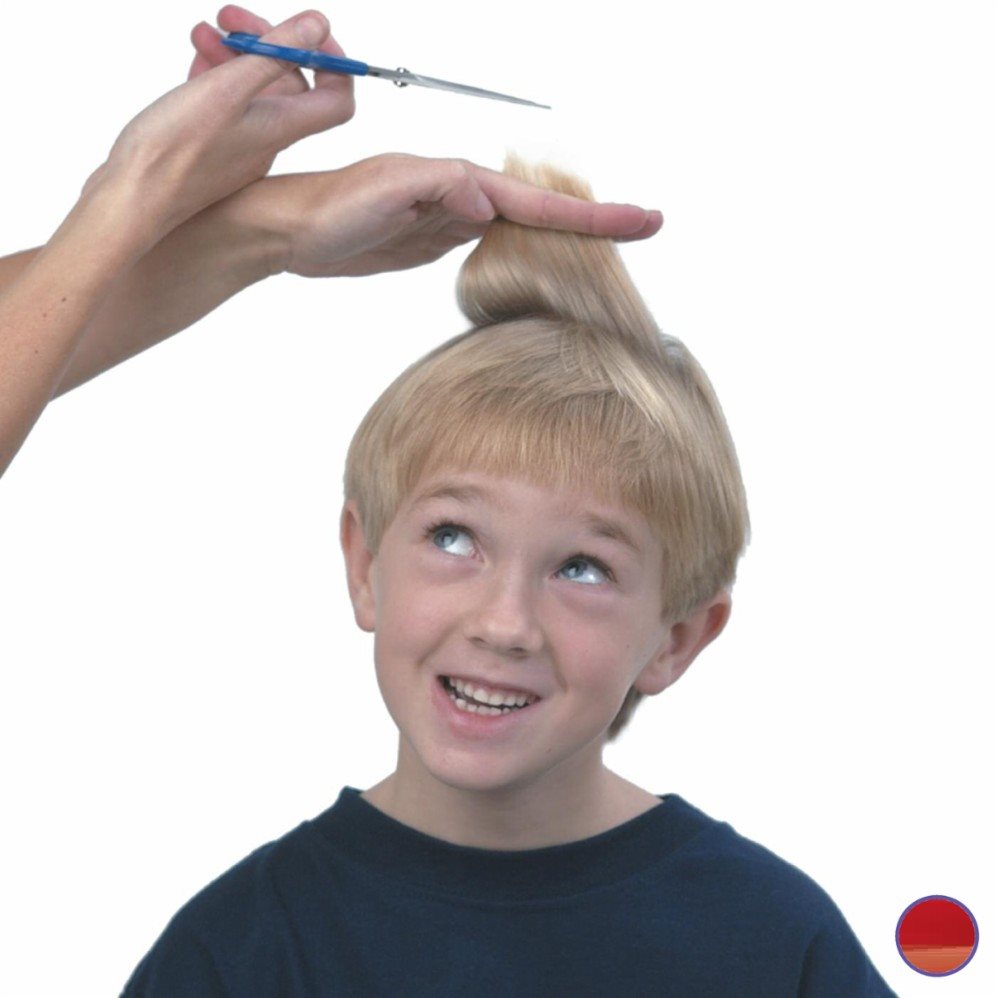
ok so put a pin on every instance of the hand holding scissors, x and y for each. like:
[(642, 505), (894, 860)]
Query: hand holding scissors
[(222, 130), (243, 35)]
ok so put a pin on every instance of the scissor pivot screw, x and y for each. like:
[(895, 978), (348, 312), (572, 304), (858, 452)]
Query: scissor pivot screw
[(401, 83)]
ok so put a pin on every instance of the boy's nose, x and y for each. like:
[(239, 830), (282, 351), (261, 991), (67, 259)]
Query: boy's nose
[(505, 618)]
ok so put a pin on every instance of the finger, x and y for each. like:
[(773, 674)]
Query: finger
[(208, 48), (211, 52), (208, 42), (321, 108), (330, 102), (342, 83), (522, 202), (242, 78), (339, 84), (198, 66), (651, 226), (234, 18)]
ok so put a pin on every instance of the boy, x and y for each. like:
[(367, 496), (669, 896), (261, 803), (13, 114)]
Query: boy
[(561, 433), (541, 526)]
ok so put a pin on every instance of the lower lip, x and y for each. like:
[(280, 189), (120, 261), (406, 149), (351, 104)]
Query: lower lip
[(476, 725)]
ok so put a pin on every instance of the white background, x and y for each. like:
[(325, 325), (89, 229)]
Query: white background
[(182, 676)]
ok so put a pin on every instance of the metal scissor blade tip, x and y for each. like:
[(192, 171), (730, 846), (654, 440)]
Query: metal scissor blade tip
[(402, 77)]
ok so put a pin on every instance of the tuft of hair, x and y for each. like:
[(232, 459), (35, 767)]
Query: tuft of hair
[(564, 380)]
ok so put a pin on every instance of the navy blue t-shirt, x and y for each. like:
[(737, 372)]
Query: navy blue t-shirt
[(355, 903)]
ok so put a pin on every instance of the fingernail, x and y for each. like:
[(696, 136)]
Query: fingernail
[(483, 206), (310, 30)]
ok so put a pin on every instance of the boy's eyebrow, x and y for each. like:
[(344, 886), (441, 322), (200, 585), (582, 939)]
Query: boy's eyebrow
[(596, 524)]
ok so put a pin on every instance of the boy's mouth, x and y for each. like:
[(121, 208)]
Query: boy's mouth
[(465, 696)]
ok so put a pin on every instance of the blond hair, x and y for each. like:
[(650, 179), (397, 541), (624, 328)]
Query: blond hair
[(564, 380)]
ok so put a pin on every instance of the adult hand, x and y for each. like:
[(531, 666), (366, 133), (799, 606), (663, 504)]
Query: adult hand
[(210, 52), (222, 129), (395, 211)]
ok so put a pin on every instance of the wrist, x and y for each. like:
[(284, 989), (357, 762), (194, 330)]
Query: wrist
[(257, 217), (101, 237), (108, 218)]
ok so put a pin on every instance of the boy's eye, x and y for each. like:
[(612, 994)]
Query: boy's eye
[(443, 529)]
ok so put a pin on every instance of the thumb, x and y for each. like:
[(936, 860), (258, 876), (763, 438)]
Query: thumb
[(248, 74)]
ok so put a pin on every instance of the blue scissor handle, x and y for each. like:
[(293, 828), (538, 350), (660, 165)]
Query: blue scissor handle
[(243, 42)]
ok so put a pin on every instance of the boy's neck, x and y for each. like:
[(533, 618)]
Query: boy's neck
[(615, 802)]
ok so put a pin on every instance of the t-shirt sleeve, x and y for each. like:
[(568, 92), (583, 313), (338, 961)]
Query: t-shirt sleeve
[(178, 966), (836, 964)]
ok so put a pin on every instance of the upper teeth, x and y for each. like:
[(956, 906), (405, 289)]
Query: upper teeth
[(497, 698)]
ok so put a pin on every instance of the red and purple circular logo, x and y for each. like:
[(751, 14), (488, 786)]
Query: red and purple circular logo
[(936, 935)]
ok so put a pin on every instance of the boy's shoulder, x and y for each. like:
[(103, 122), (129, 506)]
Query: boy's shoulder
[(753, 898), (236, 912), (719, 856)]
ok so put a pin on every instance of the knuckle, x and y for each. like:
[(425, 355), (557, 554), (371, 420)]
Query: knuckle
[(545, 211), (459, 169), (390, 160), (349, 109), (385, 165)]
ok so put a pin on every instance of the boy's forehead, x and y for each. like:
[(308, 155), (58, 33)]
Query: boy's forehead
[(504, 491)]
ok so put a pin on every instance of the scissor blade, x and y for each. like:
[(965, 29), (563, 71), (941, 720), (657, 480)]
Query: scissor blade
[(402, 77)]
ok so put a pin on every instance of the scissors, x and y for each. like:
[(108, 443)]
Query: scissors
[(312, 59)]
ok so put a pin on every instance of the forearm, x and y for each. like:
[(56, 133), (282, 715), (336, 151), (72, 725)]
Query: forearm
[(190, 272), (45, 310)]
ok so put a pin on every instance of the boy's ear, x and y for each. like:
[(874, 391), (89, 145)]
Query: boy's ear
[(684, 641), (359, 565)]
